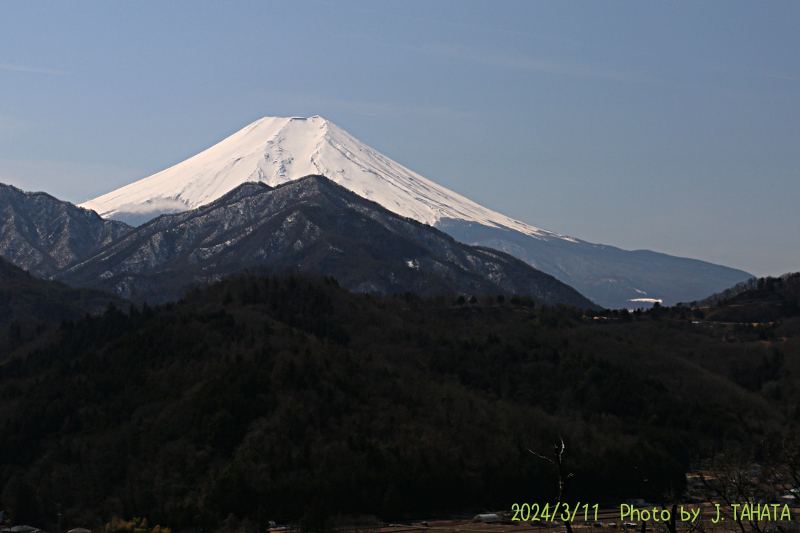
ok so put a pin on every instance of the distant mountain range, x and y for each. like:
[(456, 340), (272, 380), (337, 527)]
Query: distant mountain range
[(274, 151), (310, 224)]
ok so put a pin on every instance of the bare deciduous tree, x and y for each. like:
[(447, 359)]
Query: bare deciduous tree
[(557, 460)]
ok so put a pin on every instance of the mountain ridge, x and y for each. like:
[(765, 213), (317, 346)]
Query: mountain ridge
[(275, 150), (314, 225), (43, 234)]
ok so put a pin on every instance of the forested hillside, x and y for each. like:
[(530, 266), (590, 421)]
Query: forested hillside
[(271, 397), (30, 306), (756, 300)]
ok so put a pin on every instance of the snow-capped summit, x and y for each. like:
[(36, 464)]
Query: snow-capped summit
[(276, 150)]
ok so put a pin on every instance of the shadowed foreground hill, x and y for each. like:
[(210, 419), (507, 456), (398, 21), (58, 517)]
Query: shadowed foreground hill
[(29, 305), (756, 300), (260, 396)]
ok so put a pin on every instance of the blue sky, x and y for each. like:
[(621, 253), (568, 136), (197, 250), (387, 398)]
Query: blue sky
[(666, 126)]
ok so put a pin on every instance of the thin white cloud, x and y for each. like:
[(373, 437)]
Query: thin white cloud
[(382, 14), (24, 68), (755, 73), (787, 77), (156, 205), (516, 62)]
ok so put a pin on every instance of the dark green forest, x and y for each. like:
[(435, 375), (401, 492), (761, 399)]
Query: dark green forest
[(30, 305), (271, 397)]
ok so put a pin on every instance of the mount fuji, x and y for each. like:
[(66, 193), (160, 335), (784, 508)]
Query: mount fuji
[(275, 150)]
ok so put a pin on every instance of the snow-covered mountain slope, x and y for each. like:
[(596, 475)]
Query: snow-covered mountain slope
[(277, 150)]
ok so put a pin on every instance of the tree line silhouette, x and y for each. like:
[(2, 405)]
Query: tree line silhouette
[(274, 397)]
